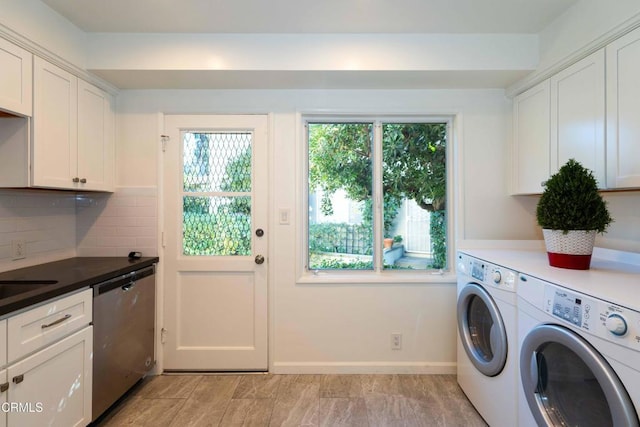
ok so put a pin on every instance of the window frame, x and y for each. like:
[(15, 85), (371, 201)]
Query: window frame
[(378, 274)]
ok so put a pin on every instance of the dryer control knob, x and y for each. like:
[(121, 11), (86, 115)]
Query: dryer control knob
[(497, 276), (616, 325)]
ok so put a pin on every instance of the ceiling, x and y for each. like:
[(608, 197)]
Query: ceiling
[(237, 17), (311, 16)]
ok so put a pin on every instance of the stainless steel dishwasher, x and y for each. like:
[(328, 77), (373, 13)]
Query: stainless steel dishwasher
[(123, 335)]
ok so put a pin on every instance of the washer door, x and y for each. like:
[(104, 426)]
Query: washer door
[(568, 383), (482, 330)]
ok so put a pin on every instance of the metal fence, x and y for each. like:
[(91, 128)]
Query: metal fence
[(340, 238)]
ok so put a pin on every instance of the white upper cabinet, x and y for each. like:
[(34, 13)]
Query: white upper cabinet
[(530, 155), (95, 138), (16, 68), (55, 126), (561, 118), (73, 132), (578, 116), (623, 112)]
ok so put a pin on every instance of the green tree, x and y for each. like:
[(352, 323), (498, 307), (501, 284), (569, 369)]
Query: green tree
[(414, 167), (237, 178)]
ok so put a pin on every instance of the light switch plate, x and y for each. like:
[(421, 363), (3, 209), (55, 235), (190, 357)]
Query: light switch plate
[(284, 215)]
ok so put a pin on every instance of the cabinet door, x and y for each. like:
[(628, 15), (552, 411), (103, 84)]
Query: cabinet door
[(95, 138), (55, 384), (3, 343), (530, 156), (15, 79), (577, 116), (623, 112), (55, 126), (4, 389)]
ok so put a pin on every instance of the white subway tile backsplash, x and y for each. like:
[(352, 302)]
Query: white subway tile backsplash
[(56, 225), (45, 220), (118, 223)]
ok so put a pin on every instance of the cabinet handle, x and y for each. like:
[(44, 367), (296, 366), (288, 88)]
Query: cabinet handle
[(76, 179), (83, 180), (55, 322), (4, 387), (18, 379)]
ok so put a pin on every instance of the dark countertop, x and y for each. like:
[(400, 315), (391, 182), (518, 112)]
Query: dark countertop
[(70, 274)]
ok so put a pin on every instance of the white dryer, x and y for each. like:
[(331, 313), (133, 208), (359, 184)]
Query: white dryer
[(487, 339), (579, 358)]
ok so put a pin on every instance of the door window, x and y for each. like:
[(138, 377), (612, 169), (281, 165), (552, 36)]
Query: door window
[(216, 202), (481, 328), (566, 381), (569, 391)]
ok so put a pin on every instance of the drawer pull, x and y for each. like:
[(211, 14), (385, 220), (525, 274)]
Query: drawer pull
[(4, 387), (62, 319), (18, 379)]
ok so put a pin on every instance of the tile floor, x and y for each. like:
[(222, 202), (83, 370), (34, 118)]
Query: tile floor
[(295, 400)]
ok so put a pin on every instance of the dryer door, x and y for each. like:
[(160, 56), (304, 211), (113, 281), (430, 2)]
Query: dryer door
[(482, 330), (568, 383)]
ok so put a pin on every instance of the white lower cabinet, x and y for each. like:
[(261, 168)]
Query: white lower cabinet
[(53, 386), (46, 376), (4, 387)]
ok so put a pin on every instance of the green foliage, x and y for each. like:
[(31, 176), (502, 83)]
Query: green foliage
[(210, 234), (342, 155), (196, 205), (414, 163), (571, 201), (390, 208), (237, 178), (438, 231), (339, 264), (225, 229)]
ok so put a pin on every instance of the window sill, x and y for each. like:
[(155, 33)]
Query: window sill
[(370, 277)]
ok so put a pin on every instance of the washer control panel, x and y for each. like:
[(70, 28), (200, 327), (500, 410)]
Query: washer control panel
[(488, 273), (601, 318)]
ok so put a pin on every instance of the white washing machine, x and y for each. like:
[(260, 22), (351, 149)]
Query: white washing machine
[(579, 357), (487, 339)]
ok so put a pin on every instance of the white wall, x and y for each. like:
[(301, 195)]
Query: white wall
[(37, 22), (344, 326)]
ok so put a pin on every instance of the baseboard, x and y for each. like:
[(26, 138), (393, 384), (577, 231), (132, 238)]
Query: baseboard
[(382, 367)]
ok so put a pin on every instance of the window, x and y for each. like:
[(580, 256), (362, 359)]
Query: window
[(377, 190)]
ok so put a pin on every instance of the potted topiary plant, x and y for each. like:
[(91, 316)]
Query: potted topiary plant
[(571, 212)]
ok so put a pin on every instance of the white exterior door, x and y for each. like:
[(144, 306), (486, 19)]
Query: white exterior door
[(215, 238)]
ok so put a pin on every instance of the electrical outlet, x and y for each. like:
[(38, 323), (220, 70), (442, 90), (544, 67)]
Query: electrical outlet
[(18, 249), (396, 341)]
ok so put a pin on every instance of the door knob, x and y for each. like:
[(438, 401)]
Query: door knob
[(259, 259), (259, 232)]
